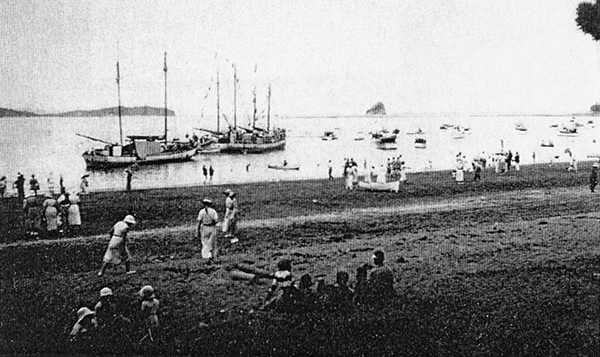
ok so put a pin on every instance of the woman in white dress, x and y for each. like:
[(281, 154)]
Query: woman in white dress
[(74, 214), (118, 251)]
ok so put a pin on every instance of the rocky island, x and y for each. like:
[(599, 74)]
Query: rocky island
[(377, 109)]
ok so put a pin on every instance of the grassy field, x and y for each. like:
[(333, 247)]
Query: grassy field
[(499, 267)]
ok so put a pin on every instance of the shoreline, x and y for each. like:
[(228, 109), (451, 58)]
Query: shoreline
[(175, 206)]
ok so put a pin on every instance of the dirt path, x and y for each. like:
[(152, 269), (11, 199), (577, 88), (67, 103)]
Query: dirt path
[(422, 205)]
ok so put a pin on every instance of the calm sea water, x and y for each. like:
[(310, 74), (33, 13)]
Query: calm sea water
[(47, 146)]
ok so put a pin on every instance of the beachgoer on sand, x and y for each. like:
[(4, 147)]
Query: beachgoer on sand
[(207, 231), (231, 215), (2, 186), (118, 250)]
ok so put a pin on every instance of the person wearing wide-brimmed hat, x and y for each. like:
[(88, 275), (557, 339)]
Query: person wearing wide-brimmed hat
[(118, 251), (231, 215), (207, 230), (86, 322), (149, 313), (74, 215)]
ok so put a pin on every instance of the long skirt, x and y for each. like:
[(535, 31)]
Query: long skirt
[(51, 219), (74, 215), (349, 183), (229, 226), (460, 175), (117, 251), (208, 238)]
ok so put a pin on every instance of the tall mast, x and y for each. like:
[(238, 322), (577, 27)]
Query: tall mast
[(254, 101), (234, 97), (119, 96), (165, 70), (218, 105), (269, 110)]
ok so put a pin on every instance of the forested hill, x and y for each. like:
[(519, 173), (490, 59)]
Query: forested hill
[(15, 113), (125, 111)]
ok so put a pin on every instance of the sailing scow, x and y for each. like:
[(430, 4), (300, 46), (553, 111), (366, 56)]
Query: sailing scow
[(140, 149), (243, 140)]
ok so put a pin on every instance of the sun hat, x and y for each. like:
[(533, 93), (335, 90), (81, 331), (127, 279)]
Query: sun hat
[(129, 219), (595, 165), (227, 192), (105, 292), (206, 201), (31, 194), (147, 292), (83, 313), (378, 254)]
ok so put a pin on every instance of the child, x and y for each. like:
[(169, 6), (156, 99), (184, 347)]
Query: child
[(86, 322), (149, 313), (281, 292)]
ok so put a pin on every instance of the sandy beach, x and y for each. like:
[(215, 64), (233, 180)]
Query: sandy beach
[(499, 267)]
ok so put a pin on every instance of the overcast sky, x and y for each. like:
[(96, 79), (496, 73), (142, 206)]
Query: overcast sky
[(321, 57)]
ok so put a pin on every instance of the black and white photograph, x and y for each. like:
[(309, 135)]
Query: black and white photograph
[(299, 178)]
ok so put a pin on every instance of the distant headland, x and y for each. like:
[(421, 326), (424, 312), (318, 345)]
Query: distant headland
[(105, 112), (377, 109)]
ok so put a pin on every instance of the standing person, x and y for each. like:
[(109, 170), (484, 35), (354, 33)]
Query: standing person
[(50, 210), (517, 161), (402, 172), (34, 185), (2, 186), (33, 220), (460, 172), (205, 173), (594, 178), (533, 156), (477, 171), (149, 313), (509, 159), (20, 184), (207, 230), (330, 170), (50, 183), (118, 251), (83, 187), (354, 174), (348, 176), (74, 214), (63, 213), (61, 182), (211, 173), (231, 212), (129, 177)]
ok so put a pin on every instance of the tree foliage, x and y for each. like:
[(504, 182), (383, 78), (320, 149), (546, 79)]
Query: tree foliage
[(588, 19)]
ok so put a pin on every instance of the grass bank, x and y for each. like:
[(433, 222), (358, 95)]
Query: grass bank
[(509, 274)]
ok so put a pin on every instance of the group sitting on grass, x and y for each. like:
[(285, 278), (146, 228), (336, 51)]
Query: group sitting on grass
[(369, 290), (112, 321)]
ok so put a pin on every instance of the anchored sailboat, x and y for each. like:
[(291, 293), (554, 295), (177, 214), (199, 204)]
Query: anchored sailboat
[(140, 149), (243, 140)]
